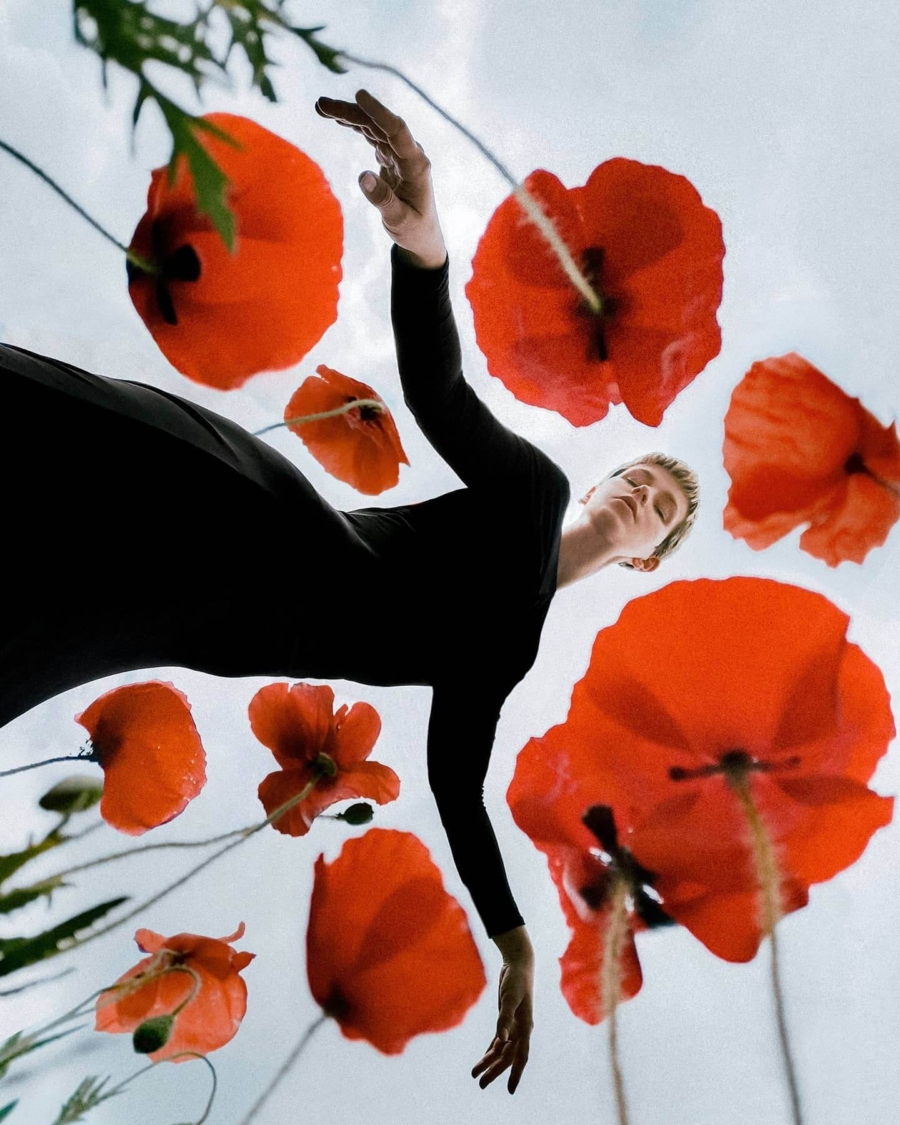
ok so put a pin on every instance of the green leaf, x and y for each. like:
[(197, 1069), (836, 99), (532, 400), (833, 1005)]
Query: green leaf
[(21, 896), (7, 1109), (18, 1045), (327, 56), (16, 953), (86, 1097), (10, 864)]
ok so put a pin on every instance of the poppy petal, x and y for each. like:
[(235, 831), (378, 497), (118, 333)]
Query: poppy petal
[(356, 733), (284, 272), (294, 722), (386, 938), (278, 788), (151, 754), (582, 969)]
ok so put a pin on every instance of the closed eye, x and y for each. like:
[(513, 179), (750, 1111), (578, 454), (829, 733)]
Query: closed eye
[(655, 508)]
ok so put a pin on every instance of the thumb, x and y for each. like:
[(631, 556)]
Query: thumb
[(374, 188)]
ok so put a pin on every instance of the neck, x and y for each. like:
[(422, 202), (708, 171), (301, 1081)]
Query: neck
[(583, 549)]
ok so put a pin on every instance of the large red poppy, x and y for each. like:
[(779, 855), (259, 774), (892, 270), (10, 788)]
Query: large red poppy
[(151, 755), (702, 680), (360, 446), (300, 727), (389, 952), (210, 1019), (649, 249), (799, 450), (220, 317)]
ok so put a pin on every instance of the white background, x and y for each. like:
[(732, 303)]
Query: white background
[(783, 115)]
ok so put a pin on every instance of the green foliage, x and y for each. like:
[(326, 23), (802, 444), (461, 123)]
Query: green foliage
[(88, 1095), (130, 34), (73, 794), (7, 1109), (10, 864), (21, 896), (16, 953), (20, 1044)]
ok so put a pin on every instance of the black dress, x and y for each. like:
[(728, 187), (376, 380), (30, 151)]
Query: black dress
[(144, 531)]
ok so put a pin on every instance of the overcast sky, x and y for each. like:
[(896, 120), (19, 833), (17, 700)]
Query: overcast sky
[(783, 116)]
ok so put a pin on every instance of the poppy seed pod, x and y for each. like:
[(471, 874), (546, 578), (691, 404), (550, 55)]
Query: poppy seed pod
[(152, 1034)]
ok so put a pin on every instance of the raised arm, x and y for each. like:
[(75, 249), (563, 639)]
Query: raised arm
[(482, 451)]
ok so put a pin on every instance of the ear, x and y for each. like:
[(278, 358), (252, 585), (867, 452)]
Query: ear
[(590, 492), (646, 565)]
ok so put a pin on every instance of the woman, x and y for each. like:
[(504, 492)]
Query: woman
[(199, 546)]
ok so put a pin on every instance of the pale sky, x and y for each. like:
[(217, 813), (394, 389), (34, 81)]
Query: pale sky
[(783, 116)]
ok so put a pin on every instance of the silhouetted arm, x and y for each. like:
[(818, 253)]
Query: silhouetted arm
[(460, 737), (483, 452)]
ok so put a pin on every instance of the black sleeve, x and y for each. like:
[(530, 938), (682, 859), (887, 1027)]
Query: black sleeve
[(482, 451), (460, 736)]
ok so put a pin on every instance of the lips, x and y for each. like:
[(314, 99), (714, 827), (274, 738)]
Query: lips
[(632, 505)]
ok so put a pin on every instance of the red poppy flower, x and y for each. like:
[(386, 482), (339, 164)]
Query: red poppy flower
[(651, 251), (706, 680), (151, 755), (309, 740), (584, 875), (389, 952), (801, 451), (210, 1019), (361, 446), (220, 317)]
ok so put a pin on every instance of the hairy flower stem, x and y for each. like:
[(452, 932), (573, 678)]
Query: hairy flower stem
[(769, 877), (528, 203), (611, 985), (285, 1067), (357, 402), (245, 834), (131, 255), (47, 762)]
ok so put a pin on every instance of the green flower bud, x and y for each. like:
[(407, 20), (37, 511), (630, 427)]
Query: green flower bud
[(325, 764), (152, 1034), (360, 813), (72, 794)]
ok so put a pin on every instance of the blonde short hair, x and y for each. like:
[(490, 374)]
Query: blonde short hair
[(690, 486)]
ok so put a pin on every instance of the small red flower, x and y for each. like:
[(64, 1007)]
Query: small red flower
[(151, 755), (309, 740), (801, 451), (220, 317), (389, 952), (210, 1019), (585, 860), (696, 683), (361, 446), (649, 249)]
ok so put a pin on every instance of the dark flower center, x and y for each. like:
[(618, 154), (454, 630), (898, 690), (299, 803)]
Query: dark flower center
[(592, 268), (181, 265), (735, 765), (337, 1005)]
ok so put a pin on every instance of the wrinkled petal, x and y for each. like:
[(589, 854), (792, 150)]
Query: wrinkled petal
[(265, 306), (799, 450), (387, 939), (356, 734), (296, 723), (647, 245), (361, 450), (209, 1020), (582, 969), (150, 752)]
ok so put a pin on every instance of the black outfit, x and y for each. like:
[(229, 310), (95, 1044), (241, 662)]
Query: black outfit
[(145, 531)]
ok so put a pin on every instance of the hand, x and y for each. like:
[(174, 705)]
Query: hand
[(402, 191), (509, 1047)]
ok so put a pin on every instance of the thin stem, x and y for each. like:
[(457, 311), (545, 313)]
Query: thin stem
[(285, 1067), (324, 414), (245, 835), (611, 986), (769, 878), (139, 261), (171, 1058), (529, 204), (48, 761)]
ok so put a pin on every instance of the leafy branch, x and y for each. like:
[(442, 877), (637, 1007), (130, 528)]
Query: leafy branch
[(128, 33)]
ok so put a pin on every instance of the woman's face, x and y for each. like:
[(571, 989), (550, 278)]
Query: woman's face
[(636, 509)]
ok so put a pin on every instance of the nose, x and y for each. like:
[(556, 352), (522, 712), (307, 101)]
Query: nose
[(641, 493)]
